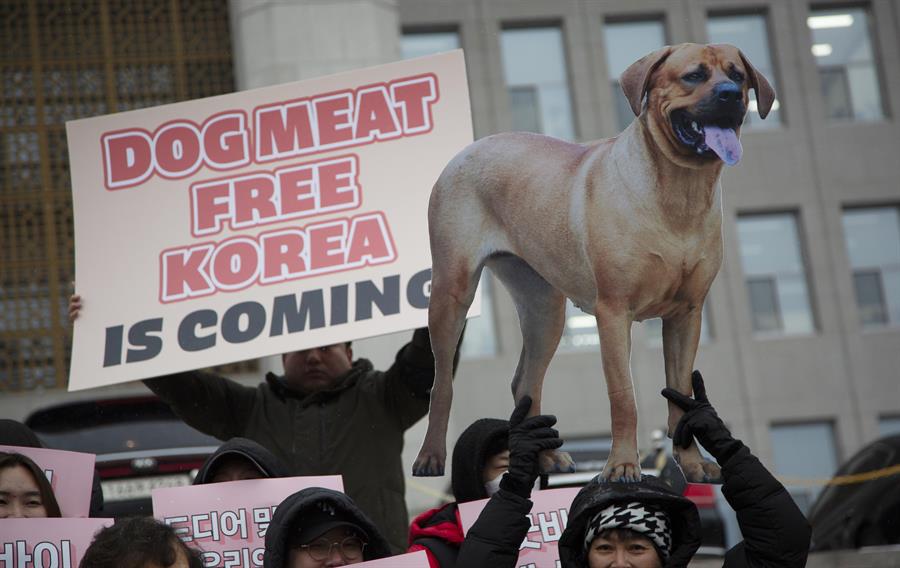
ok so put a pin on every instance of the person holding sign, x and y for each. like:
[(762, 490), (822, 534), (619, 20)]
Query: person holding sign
[(646, 524), (320, 527), (239, 459), (24, 489), (327, 414), (501, 527), (480, 458)]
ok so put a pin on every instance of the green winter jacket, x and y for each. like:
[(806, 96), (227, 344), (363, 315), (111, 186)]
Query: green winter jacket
[(355, 429)]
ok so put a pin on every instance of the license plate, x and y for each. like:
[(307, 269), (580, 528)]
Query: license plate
[(139, 488)]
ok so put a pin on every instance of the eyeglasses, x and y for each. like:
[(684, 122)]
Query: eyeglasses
[(351, 548)]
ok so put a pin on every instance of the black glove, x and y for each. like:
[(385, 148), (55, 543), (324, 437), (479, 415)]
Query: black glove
[(701, 421), (527, 438)]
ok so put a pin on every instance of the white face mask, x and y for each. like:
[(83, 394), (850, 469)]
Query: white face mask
[(493, 485)]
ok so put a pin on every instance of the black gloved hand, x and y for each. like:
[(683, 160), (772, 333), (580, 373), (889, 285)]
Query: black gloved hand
[(527, 438), (701, 421)]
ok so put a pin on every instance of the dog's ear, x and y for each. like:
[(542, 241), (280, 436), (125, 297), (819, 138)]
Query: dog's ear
[(765, 94), (636, 79)]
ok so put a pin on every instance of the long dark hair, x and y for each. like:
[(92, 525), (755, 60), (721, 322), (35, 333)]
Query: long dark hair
[(48, 499)]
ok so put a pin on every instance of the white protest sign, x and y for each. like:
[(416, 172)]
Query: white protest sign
[(259, 222)]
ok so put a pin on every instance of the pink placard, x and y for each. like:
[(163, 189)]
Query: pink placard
[(71, 475), (30, 543), (228, 521), (548, 517), (411, 560)]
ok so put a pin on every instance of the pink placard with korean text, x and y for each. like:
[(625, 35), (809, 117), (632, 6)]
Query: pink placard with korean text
[(71, 475), (33, 543), (548, 518), (228, 521)]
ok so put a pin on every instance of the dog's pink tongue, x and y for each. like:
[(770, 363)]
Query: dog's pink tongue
[(725, 143)]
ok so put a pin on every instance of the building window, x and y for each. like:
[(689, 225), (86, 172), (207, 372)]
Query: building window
[(888, 426), (419, 44), (775, 275), (534, 64), (872, 236), (847, 70), (803, 452), (750, 34), (626, 42)]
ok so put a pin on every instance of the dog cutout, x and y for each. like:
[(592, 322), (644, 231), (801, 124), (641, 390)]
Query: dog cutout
[(628, 228)]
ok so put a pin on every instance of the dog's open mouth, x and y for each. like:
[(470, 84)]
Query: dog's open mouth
[(717, 136)]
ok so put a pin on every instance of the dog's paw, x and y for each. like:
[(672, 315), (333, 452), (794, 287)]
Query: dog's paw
[(555, 461), (701, 471), (621, 470), (428, 465)]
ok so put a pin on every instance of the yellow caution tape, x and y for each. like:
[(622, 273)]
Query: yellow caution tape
[(844, 479), (412, 483)]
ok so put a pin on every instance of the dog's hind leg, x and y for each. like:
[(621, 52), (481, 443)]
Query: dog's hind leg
[(454, 281), (541, 309), (681, 335)]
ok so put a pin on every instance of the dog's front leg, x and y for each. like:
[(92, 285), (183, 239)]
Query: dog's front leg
[(614, 326), (681, 336)]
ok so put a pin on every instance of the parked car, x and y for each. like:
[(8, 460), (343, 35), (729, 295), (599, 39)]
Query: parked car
[(590, 456), (865, 512), (140, 446)]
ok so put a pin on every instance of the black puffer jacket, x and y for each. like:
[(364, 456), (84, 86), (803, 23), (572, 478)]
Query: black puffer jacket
[(264, 460), (598, 495), (775, 531), (294, 507)]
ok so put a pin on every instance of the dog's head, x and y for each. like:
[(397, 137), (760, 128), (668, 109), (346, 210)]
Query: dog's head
[(696, 99)]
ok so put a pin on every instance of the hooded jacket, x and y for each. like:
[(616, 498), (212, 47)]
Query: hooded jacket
[(775, 531), (264, 461), (354, 429), (292, 509), (439, 531), (597, 495)]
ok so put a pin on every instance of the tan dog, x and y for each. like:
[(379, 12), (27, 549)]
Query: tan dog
[(629, 228)]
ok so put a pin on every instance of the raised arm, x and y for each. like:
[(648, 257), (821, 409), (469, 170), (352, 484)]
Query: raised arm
[(406, 385), (775, 531), (212, 404), (494, 539)]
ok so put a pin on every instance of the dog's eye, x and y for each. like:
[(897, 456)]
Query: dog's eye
[(736, 76), (694, 76)]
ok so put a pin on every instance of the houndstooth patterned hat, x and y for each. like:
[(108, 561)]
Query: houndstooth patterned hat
[(647, 520)]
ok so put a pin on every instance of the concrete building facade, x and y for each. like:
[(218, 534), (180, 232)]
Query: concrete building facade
[(801, 347)]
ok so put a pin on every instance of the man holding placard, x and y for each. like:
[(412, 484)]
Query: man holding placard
[(326, 415), (288, 220)]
